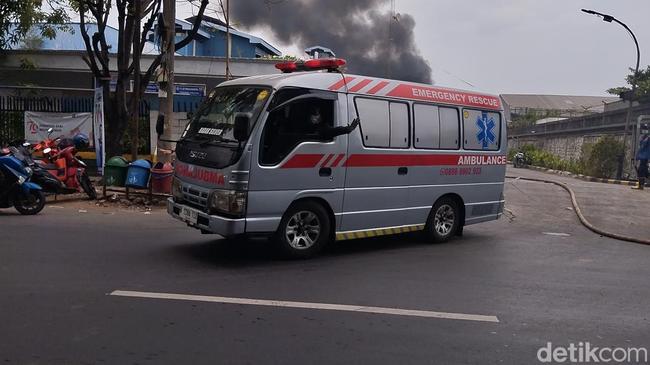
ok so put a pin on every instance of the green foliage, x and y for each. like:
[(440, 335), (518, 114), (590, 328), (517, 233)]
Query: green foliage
[(602, 157), (17, 17), (643, 84), (598, 159)]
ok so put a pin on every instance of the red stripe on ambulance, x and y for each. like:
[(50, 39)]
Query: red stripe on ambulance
[(346, 80), (329, 157), (360, 85), (338, 159), (375, 89), (381, 160), (302, 161)]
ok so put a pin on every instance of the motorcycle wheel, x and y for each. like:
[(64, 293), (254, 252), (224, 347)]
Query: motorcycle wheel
[(30, 203), (87, 186)]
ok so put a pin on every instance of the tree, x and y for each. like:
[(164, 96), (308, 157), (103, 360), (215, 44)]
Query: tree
[(135, 19), (642, 84), (18, 17)]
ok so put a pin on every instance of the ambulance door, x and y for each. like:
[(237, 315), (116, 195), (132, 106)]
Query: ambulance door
[(376, 188), (292, 159)]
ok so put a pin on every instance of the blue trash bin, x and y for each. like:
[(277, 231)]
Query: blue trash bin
[(138, 174)]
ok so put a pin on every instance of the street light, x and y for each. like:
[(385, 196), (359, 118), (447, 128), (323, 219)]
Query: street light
[(609, 19)]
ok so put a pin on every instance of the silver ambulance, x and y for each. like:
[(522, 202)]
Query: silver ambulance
[(312, 155)]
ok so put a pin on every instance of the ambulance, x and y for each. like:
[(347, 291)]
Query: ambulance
[(312, 155)]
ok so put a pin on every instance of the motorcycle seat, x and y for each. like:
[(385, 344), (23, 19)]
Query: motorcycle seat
[(49, 166)]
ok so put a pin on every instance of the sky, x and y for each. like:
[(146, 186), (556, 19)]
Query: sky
[(522, 46)]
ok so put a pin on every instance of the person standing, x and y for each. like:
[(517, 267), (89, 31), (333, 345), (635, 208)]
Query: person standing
[(643, 155)]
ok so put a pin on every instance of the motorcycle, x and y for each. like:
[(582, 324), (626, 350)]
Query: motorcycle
[(70, 170), (16, 189), (40, 176), (60, 160), (520, 160)]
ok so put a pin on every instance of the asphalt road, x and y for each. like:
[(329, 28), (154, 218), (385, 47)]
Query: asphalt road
[(545, 277)]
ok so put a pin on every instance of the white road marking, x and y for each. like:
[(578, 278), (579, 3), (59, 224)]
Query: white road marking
[(307, 305), (556, 234)]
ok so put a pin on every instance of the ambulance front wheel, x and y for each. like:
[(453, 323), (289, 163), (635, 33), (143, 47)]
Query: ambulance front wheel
[(304, 230), (444, 220)]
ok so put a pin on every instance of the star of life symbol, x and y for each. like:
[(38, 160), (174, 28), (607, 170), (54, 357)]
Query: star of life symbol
[(485, 134)]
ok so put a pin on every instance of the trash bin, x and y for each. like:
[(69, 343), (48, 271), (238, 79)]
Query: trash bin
[(115, 171), (162, 176), (138, 174)]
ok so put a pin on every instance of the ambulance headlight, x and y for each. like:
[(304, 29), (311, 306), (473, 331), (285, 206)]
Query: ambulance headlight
[(177, 191), (229, 202)]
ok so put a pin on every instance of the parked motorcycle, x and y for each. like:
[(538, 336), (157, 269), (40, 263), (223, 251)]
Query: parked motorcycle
[(62, 162), (519, 160), (16, 189), (40, 175)]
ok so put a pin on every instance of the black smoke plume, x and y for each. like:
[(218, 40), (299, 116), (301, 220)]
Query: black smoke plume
[(373, 42)]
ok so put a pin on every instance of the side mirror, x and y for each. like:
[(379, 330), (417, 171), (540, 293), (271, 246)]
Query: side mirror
[(242, 122)]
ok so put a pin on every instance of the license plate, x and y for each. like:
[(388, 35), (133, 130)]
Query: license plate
[(189, 215)]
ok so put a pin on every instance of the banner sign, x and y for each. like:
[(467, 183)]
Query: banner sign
[(98, 129), (181, 89), (65, 125)]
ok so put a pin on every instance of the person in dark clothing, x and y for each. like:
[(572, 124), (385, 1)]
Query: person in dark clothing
[(643, 155), (327, 132)]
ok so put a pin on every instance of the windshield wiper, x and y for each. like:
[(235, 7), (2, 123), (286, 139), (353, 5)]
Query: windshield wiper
[(217, 141)]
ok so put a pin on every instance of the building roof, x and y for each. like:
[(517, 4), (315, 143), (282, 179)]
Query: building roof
[(217, 24), (557, 102), (72, 41)]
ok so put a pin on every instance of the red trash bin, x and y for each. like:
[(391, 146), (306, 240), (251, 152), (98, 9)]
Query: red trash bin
[(161, 178)]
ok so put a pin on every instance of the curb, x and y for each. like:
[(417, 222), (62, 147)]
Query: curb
[(584, 177)]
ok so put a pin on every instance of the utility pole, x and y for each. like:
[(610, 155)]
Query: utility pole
[(169, 42), (228, 43), (135, 138)]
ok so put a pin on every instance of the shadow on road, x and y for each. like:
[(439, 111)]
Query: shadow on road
[(241, 252)]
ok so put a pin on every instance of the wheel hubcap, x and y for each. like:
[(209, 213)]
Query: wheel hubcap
[(302, 230), (444, 219)]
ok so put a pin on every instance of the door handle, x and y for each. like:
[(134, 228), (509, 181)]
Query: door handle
[(402, 171), (325, 171)]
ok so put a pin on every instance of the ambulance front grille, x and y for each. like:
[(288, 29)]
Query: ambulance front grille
[(196, 198)]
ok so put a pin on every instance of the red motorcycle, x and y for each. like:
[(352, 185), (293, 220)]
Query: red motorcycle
[(61, 161)]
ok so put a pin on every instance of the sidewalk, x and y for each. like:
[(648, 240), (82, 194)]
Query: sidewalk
[(614, 208)]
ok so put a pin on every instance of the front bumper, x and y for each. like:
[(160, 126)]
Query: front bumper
[(225, 227)]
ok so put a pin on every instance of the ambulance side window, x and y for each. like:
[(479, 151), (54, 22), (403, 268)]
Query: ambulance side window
[(449, 128), (303, 120), (436, 127), (383, 124), (482, 130)]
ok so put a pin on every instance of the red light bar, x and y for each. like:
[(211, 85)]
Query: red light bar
[(325, 63), (287, 67), (330, 64)]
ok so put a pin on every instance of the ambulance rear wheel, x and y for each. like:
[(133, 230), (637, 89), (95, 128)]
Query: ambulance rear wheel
[(304, 230), (443, 221)]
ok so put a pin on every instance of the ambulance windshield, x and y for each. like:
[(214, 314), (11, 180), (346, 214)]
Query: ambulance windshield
[(215, 119)]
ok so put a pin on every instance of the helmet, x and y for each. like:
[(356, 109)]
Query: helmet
[(80, 141)]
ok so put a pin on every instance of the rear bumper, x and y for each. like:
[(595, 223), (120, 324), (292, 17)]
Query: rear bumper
[(225, 227)]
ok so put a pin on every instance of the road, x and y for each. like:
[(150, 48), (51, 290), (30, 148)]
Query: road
[(538, 271)]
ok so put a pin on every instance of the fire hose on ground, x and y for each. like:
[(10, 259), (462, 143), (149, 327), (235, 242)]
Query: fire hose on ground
[(581, 217)]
